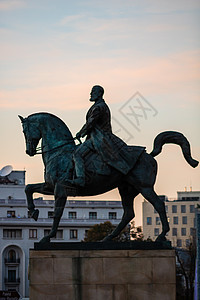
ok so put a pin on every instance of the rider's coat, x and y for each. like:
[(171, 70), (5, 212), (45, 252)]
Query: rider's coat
[(112, 149)]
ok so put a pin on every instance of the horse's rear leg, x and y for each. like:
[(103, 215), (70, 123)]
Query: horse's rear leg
[(30, 190), (159, 206), (127, 194)]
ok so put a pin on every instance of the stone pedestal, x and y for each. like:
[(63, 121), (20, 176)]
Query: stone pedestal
[(102, 274)]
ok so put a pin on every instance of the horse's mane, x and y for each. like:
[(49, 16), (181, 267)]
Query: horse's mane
[(56, 119)]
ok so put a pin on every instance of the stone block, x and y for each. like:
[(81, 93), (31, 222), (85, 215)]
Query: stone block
[(164, 291), (89, 291), (120, 291), (104, 253), (41, 270), (52, 292), (162, 272), (92, 270), (141, 292), (63, 270), (127, 270), (151, 253), (104, 291), (102, 274)]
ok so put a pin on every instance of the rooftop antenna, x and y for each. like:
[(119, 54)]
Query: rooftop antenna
[(5, 171)]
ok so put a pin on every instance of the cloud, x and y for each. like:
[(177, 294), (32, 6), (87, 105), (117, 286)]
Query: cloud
[(6, 5), (63, 97), (71, 19), (69, 88)]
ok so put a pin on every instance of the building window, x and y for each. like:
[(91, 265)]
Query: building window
[(192, 210), (92, 215), (149, 221), (86, 233), (183, 208), (112, 215), (184, 220), (166, 208), (11, 275), (183, 231), (50, 214), (11, 214), (32, 233), (156, 231), (59, 233), (174, 231), (12, 233), (12, 256), (175, 220), (157, 220), (174, 209), (73, 233), (187, 243), (72, 214), (179, 243)]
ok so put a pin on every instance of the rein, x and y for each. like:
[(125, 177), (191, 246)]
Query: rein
[(39, 150)]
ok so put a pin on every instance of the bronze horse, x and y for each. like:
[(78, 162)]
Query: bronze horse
[(57, 148)]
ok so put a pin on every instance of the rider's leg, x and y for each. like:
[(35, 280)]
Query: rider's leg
[(79, 169), (78, 158)]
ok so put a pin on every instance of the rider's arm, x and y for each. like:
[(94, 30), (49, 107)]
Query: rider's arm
[(94, 116)]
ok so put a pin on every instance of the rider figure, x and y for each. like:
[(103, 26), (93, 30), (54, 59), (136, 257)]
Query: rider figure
[(112, 149)]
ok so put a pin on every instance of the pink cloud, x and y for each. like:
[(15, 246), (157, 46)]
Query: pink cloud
[(70, 88)]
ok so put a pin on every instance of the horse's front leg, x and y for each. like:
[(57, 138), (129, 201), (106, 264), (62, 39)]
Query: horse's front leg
[(30, 190), (60, 200)]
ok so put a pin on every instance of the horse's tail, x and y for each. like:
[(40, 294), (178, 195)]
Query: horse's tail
[(174, 137)]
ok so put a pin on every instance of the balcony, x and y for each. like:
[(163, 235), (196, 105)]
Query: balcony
[(12, 261), (12, 281)]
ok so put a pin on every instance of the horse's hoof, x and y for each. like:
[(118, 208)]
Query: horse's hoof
[(161, 239), (107, 239), (44, 240), (35, 214)]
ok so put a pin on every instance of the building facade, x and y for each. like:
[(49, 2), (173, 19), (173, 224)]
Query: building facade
[(18, 232), (181, 218)]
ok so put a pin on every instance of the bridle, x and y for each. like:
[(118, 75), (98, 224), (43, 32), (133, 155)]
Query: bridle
[(39, 150)]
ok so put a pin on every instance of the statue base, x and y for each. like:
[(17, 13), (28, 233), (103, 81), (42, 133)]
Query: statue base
[(114, 272)]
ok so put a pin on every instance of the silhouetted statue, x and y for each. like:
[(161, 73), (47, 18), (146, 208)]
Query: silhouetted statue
[(103, 162), (100, 139)]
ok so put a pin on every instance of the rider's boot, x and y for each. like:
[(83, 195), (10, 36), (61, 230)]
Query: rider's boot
[(80, 172)]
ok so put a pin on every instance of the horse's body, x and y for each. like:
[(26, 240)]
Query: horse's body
[(57, 149)]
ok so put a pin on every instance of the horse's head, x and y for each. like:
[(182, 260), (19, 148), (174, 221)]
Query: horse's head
[(32, 134)]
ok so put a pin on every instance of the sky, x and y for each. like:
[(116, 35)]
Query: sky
[(146, 55)]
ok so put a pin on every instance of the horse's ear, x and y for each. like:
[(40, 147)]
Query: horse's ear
[(21, 118)]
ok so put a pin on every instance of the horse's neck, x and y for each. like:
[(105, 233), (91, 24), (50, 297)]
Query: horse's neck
[(55, 134)]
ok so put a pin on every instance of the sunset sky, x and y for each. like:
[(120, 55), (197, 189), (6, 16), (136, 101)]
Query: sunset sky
[(143, 52)]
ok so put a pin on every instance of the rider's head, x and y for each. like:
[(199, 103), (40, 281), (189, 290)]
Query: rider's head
[(96, 93)]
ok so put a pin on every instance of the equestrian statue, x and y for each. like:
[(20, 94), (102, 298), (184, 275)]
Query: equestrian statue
[(101, 163)]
